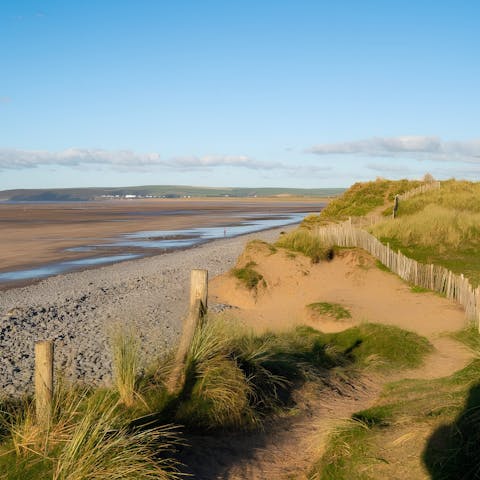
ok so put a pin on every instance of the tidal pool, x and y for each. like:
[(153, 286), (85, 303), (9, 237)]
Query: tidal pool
[(139, 244)]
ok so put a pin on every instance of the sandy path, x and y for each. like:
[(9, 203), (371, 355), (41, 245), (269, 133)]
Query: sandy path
[(287, 447), (352, 280)]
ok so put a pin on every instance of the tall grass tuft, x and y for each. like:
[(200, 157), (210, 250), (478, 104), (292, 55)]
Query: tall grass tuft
[(100, 448), (28, 437), (218, 391), (125, 357), (303, 241), (88, 438)]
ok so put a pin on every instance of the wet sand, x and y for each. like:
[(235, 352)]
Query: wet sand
[(34, 234)]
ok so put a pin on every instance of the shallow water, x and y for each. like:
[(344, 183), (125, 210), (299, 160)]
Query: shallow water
[(146, 242), (61, 267)]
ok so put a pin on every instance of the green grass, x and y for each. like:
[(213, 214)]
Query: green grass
[(303, 241), (362, 198), (88, 438), (334, 310), (235, 380), (417, 289), (437, 419), (347, 450), (248, 275), (470, 337), (125, 358), (382, 267), (441, 226), (382, 346), (259, 245)]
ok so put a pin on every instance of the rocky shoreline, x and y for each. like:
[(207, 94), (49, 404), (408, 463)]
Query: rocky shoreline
[(76, 310)]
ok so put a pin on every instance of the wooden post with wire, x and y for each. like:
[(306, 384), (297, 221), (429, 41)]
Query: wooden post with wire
[(43, 382), (197, 311)]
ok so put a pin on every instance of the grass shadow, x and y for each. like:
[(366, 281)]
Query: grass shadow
[(453, 450)]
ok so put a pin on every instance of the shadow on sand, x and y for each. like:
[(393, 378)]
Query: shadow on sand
[(453, 450)]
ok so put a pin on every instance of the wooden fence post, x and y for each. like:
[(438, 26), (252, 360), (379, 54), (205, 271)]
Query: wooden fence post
[(43, 381), (197, 310), (395, 207), (199, 288)]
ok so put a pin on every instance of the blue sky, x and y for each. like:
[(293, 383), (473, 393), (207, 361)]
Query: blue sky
[(237, 93)]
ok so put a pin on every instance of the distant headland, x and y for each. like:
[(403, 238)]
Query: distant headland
[(157, 191)]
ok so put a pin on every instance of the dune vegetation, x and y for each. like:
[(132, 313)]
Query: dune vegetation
[(234, 380), (303, 241), (440, 226), (416, 429), (328, 309), (248, 275), (364, 197), (238, 381)]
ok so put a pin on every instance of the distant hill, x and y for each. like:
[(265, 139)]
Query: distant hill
[(156, 191)]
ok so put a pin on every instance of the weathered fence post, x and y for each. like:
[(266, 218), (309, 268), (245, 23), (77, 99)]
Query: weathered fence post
[(197, 310), (43, 381), (395, 207), (199, 288)]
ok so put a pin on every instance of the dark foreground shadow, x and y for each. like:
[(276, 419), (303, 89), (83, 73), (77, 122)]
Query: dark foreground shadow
[(453, 451)]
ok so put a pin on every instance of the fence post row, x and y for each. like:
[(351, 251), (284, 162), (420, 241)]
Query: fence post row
[(197, 311)]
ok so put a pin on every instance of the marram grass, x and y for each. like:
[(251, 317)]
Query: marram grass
[(88, 438), (100, 449), (125, 359), (303, 241)]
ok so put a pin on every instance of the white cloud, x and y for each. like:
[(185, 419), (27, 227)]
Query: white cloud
[(419, 147), (126, 160), (222, 161), (72, 157), (390, 169)]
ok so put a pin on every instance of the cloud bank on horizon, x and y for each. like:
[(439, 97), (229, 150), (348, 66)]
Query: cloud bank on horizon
[(11, 159), (420, 147)]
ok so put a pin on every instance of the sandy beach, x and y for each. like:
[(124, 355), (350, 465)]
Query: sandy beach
[(33, 234)]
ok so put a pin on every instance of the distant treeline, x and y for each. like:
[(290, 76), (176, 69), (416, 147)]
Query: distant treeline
[(156, 191)]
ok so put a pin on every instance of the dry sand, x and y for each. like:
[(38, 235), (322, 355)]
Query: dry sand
[(353, 281), (288, 446)]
